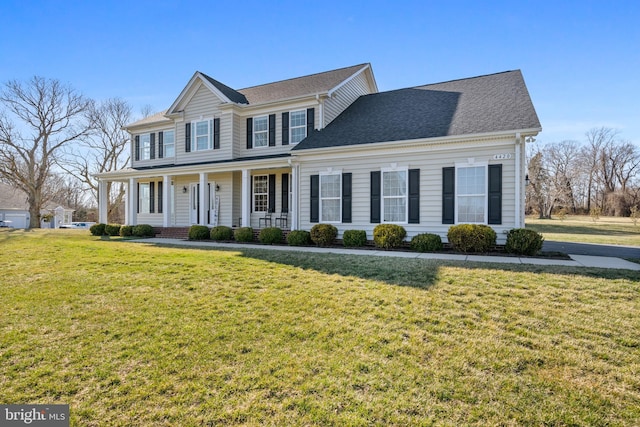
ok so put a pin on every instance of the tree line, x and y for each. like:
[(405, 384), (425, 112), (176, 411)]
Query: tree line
[(53, 140), (599, 175)]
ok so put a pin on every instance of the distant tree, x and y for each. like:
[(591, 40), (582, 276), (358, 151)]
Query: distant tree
[(49, 116), (104, 149)]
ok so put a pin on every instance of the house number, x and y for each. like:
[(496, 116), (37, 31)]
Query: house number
[(505, 156)]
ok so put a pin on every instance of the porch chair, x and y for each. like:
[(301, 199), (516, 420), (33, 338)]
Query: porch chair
[(283, 219), (266, 218)]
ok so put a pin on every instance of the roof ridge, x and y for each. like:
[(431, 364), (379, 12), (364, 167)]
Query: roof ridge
[(305, 76), (467, 78)]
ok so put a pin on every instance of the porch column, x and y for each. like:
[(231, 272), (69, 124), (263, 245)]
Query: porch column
[(294, 197), (166, 206), (246, 202), (127, 205), (204, 203), (133, 201), (102, 201)]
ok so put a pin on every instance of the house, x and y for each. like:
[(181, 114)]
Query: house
[(330, 148), (14, 208)]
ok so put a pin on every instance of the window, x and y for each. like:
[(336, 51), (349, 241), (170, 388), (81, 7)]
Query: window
[(471, 184), (145, 146), (169, 143), (202, 137), (394, 196), (330, 197), (143, 198), (260, 131), (297, 126), (260, 193)]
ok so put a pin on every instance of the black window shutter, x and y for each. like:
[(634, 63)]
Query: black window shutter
[(160, 145), (285, 128), (152, 142), (311, 117), (315, 198), (285, 192), (160, 196), (187, 138), (272, 130), (249, 133), (272, 193), (448, 195), (152, 197), (495, 194), (138, 201), (414, 196), (216, 133), (252, 201), (137, 148), (346, 197), (375, 197)]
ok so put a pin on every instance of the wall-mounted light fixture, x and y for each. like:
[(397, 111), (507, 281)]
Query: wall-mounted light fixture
[(185, 189), (217, 187), (526, 180)]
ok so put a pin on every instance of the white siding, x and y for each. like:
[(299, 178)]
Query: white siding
[(430, 162), (345, 96)]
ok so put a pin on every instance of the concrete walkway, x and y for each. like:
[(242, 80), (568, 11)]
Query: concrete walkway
[(576, 260)]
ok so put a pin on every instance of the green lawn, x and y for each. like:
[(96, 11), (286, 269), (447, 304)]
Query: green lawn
[(133, 334), (606, 230)]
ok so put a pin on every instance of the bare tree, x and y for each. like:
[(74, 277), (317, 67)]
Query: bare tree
[(104, 149), (49, 116), (597, 139)]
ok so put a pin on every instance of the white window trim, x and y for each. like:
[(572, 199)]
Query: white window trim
[(194, 134), (145, 151), (144, 204), (321, 174), (164, 145), (406, 196), (291, 128), (473, 164), (253, 191), (265, 131)]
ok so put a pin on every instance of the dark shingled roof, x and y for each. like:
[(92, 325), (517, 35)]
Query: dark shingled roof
[(232, 94), (299, 86), (491, 103)]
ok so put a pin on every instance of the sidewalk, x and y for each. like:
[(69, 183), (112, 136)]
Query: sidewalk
[(576, 260)]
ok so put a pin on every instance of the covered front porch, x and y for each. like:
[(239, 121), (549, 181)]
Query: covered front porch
[(259, 196)]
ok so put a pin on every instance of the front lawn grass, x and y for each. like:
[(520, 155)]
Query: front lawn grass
[(135, 334), (583, 229)]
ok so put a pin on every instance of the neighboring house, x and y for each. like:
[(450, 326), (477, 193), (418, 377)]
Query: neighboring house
[(14, 208), (328, 148)]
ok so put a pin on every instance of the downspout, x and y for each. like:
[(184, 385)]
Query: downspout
[(519, 223)]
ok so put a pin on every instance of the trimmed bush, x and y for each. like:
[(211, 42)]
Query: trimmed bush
[(221, 232), (97, 229), (523, 242), (389, 236), (126, 231), (143, 230), (112, 229), (299, 238), (354, 238), (243, 234), (426, 242), (323, 234), (471, 237), (270, 235), (199, 232)]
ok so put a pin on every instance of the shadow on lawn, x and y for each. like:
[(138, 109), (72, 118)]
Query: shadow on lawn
[(600, 230)]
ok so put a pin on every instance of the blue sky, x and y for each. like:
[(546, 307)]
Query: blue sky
[(580, 59)]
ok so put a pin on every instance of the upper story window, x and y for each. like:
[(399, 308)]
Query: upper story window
[(394, 196), (297, 126), (260, 131), (145, 146), (202, 135), (331, 197), (260, 193), (169, 143), (471, 194)]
